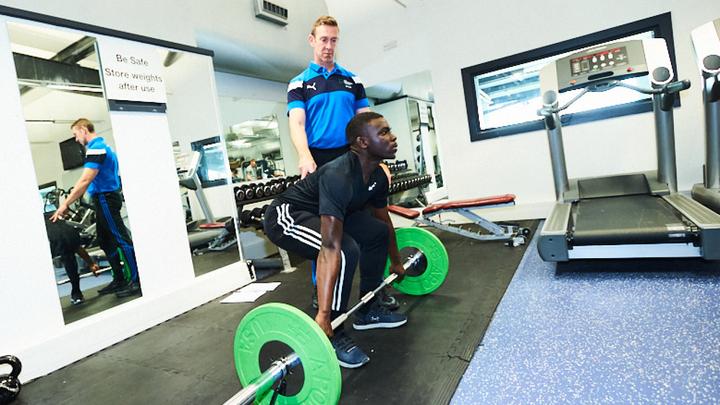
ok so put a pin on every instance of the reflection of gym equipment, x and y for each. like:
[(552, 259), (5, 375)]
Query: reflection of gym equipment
[(513, 234), (303, 350), (82, 214), (632, 215), (414, 126), (706, 43), (211, 235)]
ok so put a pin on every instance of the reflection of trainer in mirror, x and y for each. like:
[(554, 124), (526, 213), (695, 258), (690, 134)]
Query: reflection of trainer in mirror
[(65, 242), (101, 179)]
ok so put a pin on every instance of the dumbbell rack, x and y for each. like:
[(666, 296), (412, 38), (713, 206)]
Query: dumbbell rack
[(403, 179), (253, 218)]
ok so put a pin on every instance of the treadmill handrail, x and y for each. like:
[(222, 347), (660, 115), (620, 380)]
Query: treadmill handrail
[(668, 88)]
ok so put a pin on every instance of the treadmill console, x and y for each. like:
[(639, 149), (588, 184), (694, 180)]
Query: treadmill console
[(186, 164), (706, 41), (617, 61)]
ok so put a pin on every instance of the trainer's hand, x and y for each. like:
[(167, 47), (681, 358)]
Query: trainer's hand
[(306, 165), (398, 269), (60, 213), (324, 322), (95, 268)]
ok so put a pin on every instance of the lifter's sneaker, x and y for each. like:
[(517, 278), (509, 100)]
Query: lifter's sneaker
[(388, 301), (349, 355), (377, 317)]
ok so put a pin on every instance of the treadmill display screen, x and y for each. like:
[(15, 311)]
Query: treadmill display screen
[(598, 61)]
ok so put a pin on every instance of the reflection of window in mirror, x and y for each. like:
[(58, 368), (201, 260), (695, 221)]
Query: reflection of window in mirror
[(254, 149), (59, 81)]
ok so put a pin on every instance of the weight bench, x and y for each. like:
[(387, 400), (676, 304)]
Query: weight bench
[(430, 216)]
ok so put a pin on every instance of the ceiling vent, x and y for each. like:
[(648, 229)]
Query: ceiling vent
[(271, 12)]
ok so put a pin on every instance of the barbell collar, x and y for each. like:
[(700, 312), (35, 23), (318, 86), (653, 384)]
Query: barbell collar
[(277, 370)]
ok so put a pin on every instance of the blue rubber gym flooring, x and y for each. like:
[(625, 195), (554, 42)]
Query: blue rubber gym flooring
[(616, 332)]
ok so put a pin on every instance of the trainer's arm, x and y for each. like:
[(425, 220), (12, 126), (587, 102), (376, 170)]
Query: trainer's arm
[(87, 176), (328, 267), (306, 163)]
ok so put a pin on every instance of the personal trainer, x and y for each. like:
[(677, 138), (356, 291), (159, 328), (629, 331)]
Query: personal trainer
[(321, 101), (325, 217), (101, 179)]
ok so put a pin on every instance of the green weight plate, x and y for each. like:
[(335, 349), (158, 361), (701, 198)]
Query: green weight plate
[(437, 261), (287, 324)]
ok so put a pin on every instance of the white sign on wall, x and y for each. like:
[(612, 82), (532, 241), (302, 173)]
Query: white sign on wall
[(131, 72)]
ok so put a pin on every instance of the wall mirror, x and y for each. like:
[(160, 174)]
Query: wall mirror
[(59, 82), (201, 160), (408, 104), (257, 138)]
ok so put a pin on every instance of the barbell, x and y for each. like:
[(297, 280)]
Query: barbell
[(304, 348)]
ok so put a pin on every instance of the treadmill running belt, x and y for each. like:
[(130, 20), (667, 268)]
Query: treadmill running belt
[(628, 220)]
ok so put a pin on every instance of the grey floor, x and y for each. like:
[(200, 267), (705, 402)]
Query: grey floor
[(188, 359), (622, 332)]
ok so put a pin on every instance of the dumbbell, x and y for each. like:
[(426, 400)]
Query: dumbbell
[(10, 385), (259, 192), (306, 345), (239, 194)]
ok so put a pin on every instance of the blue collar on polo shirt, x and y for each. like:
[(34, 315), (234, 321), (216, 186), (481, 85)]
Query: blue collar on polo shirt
[(321, 69)]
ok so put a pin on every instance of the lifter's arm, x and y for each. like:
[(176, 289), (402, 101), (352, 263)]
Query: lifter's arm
[(328, 267), (396, 265)]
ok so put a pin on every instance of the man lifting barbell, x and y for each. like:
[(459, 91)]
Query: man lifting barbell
[(325, 217)]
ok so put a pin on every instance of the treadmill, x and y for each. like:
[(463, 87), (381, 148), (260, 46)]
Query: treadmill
[(638, 215), (200, 234), (706, 43)]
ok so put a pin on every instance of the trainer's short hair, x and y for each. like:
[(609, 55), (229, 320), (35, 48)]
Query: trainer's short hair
[(324, 20), (83, 122), (357, 125)]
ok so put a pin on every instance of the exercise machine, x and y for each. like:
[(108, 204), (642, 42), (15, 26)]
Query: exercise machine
[(706, 43), (209, 235), (432, 216), (632, 215)]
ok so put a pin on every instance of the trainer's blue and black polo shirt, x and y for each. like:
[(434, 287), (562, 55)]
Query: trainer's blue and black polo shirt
[(99, 156), (330, 100)]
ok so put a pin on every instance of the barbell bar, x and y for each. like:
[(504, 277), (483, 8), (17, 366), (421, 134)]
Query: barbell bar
[(277, 322)]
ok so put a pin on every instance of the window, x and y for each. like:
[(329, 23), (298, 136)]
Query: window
[(502, 96)]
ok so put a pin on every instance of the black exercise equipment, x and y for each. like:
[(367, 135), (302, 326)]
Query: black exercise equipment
[(10, 385)]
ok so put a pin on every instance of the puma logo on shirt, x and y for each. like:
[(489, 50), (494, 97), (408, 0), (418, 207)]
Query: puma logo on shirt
[(372, 186)]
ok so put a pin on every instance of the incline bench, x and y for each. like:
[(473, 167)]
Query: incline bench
[(513, 234)]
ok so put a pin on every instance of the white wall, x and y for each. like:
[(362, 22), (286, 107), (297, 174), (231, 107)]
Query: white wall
[(446, 36), (242, 42)]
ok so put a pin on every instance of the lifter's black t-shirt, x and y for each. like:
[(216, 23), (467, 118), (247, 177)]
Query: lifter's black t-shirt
[(337, 189)]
